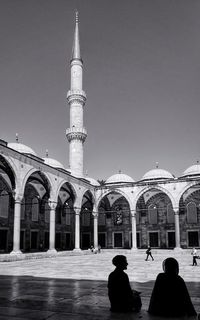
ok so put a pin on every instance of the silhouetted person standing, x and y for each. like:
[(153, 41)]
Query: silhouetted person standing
[(122, 297), (149, 254), (170, 297)]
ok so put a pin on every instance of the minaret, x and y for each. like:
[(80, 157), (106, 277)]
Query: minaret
[(76, 99)]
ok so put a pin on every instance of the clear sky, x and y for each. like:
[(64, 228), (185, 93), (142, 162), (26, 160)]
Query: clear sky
[(141, 76)]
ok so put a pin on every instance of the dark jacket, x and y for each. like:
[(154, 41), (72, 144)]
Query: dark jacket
[(119, 291), (170, 297)]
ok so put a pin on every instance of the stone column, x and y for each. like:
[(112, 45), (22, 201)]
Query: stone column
[(77, 229), (52, 226), (95, 215), (134, 234), (177, 230), (17, 222)]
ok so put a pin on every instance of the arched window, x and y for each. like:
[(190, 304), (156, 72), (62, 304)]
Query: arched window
[(35, 209), (46, 212), (191, 212), (4, 204), (67, 211), (102, 219), (153, 214), (23, 209), (170, 213), (137, 218), (86, 218)]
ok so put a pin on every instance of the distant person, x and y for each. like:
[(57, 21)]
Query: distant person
[(170, 297), (92, 249), (99, 248), (149, 254), (122, 297), (194, 254)]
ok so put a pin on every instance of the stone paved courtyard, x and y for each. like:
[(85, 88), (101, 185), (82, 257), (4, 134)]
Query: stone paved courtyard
[(75, 286)]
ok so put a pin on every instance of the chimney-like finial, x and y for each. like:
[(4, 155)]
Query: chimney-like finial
[(47, 153), (16, 137)]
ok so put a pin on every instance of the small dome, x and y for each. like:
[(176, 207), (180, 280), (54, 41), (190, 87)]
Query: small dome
[(119, 178), (21, 148), (191, 171), (93, 181), (155, 174), (53, 163)]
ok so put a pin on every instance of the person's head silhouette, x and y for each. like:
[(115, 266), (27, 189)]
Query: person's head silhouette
[(170, 266), (120, 262)]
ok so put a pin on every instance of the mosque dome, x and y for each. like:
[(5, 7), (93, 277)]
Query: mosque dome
[(93, 181), (157, 173), (53, 163), (119, 178), (192, 170), (22, 148)]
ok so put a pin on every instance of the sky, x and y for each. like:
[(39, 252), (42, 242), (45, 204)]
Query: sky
[(141, 76)]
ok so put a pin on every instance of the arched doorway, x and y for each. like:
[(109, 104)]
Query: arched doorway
[(86, 221), (7, 185), (114, 221), (189, 217), (155, 220)]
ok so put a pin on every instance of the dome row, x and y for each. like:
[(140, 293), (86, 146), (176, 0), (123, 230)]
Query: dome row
[(154, 174)]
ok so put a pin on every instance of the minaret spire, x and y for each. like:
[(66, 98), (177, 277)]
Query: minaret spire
[(76, 53), (76, 99)]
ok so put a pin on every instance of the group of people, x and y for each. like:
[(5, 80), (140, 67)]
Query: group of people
[(95, 250), (169, 298)]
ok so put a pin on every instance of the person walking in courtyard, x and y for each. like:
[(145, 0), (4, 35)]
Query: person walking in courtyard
[(170, 297), (194, 254), (149, 254), (122, 297)]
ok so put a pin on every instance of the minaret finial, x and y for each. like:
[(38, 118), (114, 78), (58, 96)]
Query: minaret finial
[(16, 137), (77, 16), (47, 153), (157, 164)]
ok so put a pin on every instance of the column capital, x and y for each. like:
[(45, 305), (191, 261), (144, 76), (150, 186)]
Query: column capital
[(52, 204), (77, 211), (133, 213), (18, 197), (95, 214), (176, 212)]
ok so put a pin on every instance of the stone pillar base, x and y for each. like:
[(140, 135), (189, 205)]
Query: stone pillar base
[(77, 250), (178, 249), (16, 252), (52, 251), (134, 250)]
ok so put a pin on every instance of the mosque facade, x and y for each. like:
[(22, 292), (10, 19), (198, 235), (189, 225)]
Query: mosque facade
[(47, 207)]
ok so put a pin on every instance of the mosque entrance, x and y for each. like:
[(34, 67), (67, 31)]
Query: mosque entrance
[(117, 239), (153, 239), (193, 239)]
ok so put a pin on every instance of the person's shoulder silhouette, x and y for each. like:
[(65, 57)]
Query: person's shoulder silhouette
[(170, 297), (120, 294)]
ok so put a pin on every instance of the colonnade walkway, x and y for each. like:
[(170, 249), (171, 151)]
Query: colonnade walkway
[(74, 286)]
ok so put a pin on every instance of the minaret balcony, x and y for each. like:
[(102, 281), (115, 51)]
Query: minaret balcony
[(76, 95), (75, 133)]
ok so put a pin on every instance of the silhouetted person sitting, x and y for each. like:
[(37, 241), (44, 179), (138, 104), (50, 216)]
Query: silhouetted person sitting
[(122, 297), (170, 297)]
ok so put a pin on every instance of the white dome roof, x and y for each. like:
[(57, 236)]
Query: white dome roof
[(53, 163), (119, 177), (93, 181), (192, 170), (21, 148), (157, 174)]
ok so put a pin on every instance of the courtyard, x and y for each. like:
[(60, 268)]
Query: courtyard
[(74, 287)]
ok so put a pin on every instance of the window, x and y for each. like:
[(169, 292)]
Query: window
[(153, 215), (191, 212), (23, 209), (35, 209), (86, 218), (66, 212), (170, 213), (46, 213), (4, 204), (102, 219)]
